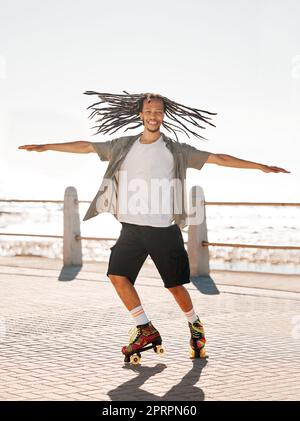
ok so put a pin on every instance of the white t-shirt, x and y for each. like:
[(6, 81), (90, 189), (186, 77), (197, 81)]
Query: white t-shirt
[(145, 194)]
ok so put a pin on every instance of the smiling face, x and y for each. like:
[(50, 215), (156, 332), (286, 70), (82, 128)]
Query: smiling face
[(152, 114)]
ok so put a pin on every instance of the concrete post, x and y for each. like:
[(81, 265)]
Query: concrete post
[(197, 232), (72, 251)]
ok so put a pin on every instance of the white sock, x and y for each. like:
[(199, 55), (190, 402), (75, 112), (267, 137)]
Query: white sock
[(191, 315), (139, 316)]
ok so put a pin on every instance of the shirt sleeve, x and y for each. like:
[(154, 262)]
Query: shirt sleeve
[(103, 149), (195, 158)]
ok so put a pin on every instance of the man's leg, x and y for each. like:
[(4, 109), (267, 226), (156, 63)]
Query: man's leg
[(197, 341), (130, 298), (146, 332), (182, 297), (126, 259)]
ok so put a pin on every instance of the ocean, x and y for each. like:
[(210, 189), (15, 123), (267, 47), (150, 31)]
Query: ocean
[(265, 225)]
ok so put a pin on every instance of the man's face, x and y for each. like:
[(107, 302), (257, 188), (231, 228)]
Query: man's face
[(152, 114)]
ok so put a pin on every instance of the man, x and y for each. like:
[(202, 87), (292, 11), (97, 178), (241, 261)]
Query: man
[(138, 161)]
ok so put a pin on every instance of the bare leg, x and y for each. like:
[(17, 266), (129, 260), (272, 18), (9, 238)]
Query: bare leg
[(197, 341), (182, 297), (126, 291)]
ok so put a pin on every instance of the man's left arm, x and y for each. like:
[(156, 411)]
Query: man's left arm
[(232, 161)]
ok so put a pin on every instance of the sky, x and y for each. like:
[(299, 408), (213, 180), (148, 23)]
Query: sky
[(238, 58)]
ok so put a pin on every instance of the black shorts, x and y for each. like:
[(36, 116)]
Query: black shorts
[(165, 246)]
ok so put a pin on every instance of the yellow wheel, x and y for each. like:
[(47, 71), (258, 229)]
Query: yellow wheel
[(192, 353), (160, 350), (202, 353), (135, 359)]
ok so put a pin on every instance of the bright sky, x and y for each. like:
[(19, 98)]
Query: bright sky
[(239, 58)]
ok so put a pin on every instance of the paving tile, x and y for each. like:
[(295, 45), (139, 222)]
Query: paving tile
[(63, 341)]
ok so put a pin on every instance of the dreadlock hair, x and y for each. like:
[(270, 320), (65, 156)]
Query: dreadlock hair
[(123, 110)]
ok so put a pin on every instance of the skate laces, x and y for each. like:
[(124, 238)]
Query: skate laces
[(134, 332)]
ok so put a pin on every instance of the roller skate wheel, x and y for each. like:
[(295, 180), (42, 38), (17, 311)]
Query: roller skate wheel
[(135, 359), (192, 353), (160, 350)]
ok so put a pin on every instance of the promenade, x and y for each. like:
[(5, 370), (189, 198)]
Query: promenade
[(61, 331)]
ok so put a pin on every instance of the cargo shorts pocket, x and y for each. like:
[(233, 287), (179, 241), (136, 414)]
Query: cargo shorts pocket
[(180, 264)]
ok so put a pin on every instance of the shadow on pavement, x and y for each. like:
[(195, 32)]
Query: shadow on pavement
[(68, 273), (205, 284), (184, 390)]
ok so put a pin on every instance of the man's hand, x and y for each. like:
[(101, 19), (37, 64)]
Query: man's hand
[(271, 168), (37, 148)]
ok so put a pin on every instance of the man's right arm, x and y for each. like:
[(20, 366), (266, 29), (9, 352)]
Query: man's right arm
[(80, 146)]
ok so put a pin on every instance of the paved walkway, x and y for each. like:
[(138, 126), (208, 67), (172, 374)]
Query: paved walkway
[(61, 339)]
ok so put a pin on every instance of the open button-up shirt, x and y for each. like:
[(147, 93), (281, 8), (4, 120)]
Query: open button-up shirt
[(106, 200)]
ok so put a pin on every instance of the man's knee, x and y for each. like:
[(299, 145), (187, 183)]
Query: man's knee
[(118, 280), (178, 289)]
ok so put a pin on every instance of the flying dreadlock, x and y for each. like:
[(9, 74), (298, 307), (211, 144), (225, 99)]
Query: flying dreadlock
[(123, 110)]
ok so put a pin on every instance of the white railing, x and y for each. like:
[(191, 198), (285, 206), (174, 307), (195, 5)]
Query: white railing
[(197, 244)]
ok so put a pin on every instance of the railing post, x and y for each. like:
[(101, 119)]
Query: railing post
[(72, 252), (198, 255)]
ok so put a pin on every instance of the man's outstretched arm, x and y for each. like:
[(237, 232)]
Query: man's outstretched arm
[(80, 146), (231, 161)]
